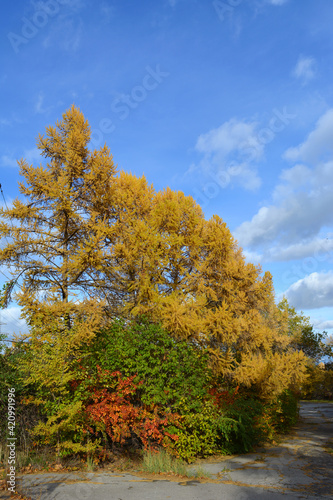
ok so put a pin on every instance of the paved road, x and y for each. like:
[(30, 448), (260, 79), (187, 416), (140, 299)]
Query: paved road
[(299, 467)]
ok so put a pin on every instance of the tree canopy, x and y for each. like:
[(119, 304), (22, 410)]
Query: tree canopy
[(88, 244)]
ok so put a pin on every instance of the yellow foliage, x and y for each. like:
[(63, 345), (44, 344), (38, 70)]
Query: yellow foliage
[(190, 275), (273, 372), (90, 243), (319, 383)]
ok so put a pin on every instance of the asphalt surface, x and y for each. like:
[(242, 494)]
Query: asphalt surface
[(299, 467)]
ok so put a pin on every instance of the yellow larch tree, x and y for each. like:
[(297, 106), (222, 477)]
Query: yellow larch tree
[(189, 274), (54, 241)]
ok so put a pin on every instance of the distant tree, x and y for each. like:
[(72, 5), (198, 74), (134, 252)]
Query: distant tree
[(313, 344), (295, 321)]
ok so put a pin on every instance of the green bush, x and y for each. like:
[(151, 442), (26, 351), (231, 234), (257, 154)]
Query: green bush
[(175, 376), (170, 370), (285, 411), (198, 434), (276, 416), (227, 428), (246, 434), (26, 416)]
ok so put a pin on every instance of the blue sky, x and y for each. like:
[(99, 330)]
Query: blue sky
[(229, 101)]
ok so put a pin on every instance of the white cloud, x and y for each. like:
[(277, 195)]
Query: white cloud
[(300, 213), (319, 248), (319, 142), (312, 292), (302, 204), (230, 152), (11, 321), (7, 161), (233, 135), (31, 155), (253, 257), (298, 217), (320, 324), (296, 175), (305, 69)]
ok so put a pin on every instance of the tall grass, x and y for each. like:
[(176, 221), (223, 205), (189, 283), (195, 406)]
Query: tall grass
[(161, 461)]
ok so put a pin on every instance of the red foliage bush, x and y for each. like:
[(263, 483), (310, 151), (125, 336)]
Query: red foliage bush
[(116, 407), (223, 398)]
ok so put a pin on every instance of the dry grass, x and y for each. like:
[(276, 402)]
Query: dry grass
[(162, 462)]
